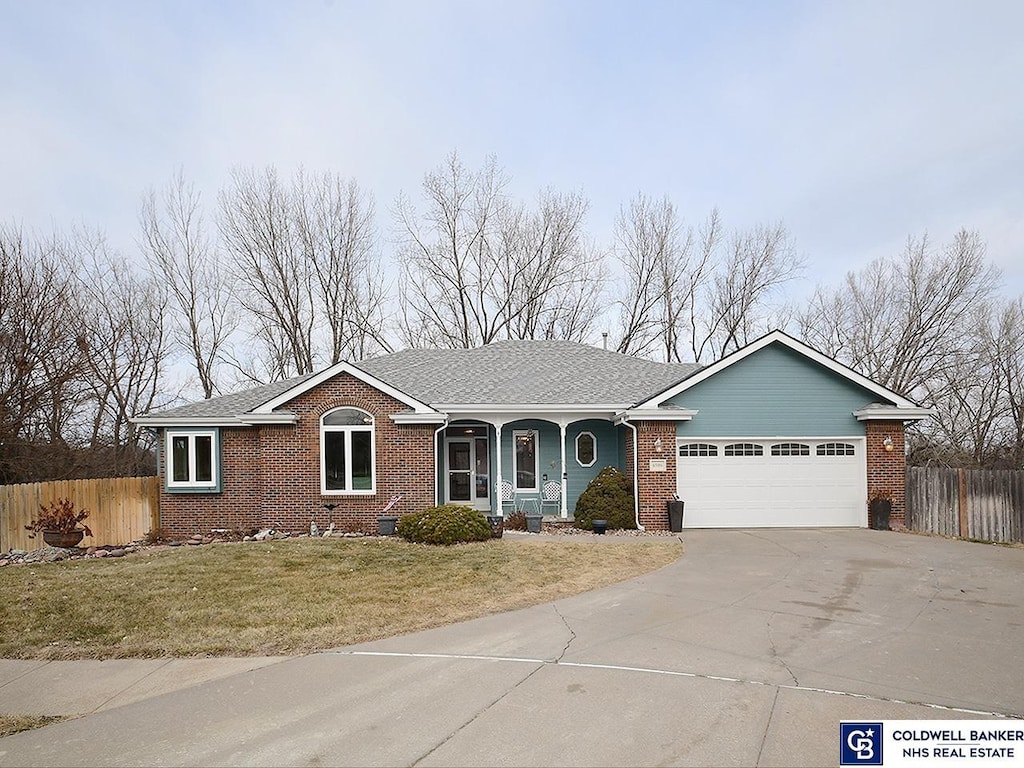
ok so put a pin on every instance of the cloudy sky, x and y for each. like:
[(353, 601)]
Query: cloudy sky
[(855, 123)]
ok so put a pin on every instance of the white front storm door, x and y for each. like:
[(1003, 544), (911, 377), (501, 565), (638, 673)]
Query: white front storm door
[(467, 472)]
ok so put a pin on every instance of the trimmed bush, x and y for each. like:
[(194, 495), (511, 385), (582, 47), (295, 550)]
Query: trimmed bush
[(446, 524), (609, 496)]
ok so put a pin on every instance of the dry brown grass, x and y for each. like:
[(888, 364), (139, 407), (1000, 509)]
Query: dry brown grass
[(291, 597), (17, 723)]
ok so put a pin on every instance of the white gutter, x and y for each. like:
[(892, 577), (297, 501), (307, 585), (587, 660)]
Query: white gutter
[(245, 420), (437, 483), (890, 413)]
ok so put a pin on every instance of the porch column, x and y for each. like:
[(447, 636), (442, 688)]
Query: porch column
[(496, 491), (564, 502)]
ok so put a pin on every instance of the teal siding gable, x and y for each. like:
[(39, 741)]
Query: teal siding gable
[(773, 392)]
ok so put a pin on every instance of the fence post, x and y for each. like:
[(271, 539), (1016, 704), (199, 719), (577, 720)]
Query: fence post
[(961, 479)]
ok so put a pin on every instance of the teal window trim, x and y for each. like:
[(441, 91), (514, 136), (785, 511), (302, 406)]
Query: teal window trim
[(195, 457)]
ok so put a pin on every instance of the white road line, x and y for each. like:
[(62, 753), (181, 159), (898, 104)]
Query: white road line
[(676, 673)]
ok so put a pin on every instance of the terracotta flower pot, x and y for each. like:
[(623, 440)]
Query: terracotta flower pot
[(64, 539)]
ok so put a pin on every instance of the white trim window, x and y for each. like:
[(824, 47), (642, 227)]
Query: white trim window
[(525, 458), (192, 459), (586, 449), (347, 453)]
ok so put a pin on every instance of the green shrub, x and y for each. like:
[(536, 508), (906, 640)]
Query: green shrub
[(609, 496), (447, 524)]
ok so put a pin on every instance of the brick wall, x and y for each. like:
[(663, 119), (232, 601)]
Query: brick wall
[(271, 474), (655, 488), (887, 470), (237, 506)]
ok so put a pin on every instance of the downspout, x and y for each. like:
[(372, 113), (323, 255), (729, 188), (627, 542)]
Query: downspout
[(437, 462), (636, 472)]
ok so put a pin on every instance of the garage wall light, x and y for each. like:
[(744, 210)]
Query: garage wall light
[(657, 444), (887, 443)]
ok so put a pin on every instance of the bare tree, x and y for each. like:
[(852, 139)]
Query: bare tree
[(477, 267), (180, 252), (40, 367), (124, 347), (448, 257), (665, 267), (1007, 355), (552, 275), (305, 258), (334, 222), (760, 260), (681, 287), (898, 319), (257, 228)]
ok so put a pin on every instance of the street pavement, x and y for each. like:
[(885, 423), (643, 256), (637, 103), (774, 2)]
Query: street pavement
[(748, 650)]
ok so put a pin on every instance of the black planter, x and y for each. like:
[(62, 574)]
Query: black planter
[(533, 523), (599, 526), (497, 523), (880, 510), (386, 525), (675, 516)]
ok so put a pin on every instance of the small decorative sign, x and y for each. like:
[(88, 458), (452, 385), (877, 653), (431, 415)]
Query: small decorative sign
[(659, 465)]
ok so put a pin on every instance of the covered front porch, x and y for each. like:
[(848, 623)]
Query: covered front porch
[(536, 463)]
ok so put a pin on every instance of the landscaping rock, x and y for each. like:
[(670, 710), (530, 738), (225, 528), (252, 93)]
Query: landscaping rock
[(175, 543), (100, 553), (19, 552), (116, 553)]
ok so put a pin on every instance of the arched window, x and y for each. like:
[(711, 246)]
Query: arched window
[(347, 452), (586, 449)]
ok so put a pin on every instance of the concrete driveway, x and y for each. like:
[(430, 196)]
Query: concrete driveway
[(747, 651)]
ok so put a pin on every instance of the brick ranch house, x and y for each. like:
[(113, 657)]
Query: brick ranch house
[(775, 434)]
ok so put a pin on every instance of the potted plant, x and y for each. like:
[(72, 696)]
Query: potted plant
[(59, 523), (880, 507), (387, 525)]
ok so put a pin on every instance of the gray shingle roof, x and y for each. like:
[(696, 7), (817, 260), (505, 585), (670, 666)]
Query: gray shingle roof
[(231, 405), (525, 372), (506, 372)]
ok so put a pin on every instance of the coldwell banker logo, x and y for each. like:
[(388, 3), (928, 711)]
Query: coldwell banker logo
[(860, 743)]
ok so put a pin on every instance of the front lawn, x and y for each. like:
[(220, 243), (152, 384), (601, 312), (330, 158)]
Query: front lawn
[(290, 597)]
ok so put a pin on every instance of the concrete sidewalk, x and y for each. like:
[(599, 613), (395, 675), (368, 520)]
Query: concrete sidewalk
[(72, 688), (747, 651)]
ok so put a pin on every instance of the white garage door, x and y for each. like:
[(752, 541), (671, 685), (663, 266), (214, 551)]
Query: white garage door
[(764, 483)]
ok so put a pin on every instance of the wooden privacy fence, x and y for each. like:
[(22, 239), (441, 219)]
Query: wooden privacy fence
[(984, 504), (121, 509)]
